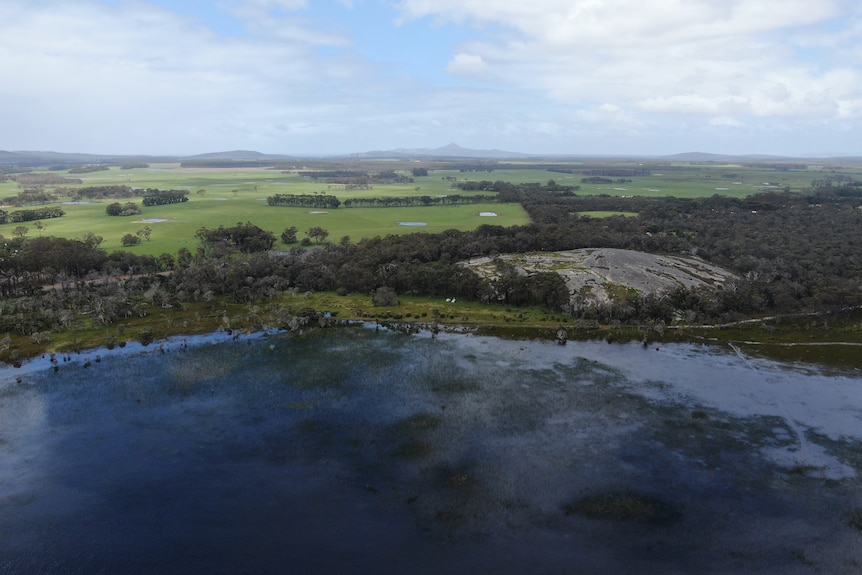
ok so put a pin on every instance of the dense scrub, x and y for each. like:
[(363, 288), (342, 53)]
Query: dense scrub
[(792, 253)]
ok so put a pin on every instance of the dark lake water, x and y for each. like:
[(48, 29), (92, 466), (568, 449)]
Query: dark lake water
[(357, 451)]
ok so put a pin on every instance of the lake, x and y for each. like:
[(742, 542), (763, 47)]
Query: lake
[(354, 450)]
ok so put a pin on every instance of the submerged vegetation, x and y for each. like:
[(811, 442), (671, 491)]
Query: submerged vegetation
[(622, 506)]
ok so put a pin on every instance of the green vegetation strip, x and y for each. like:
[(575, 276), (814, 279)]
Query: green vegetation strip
[(622, 506), (812, 342)]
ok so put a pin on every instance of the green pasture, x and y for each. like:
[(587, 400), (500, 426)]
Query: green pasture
[(682, 180), (226, 196), (232, 196), (265, 182)]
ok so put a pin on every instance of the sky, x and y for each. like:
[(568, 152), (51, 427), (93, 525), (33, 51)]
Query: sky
[(321, 77)]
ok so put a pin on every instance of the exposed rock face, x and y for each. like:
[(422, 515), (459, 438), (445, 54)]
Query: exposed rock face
[(596, 274)]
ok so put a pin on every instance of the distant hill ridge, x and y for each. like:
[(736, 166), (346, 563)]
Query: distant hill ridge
[(238, 155), (448, 152)]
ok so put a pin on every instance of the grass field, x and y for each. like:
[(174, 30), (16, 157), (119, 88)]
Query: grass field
[(226, 196), (232, 196)]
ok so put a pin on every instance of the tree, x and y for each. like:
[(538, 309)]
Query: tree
[(130, 240), (167, 261), (20, 231), (288, 236), (92, 240), (39, 226), (154, 197), (145, 232), (317, 233), (126, 209), (384, 296), (245, 237)]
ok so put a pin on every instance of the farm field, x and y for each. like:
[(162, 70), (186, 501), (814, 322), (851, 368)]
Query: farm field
[(678, 179), (226, 196)]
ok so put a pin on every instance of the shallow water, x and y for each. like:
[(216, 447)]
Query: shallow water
[(353, 450)]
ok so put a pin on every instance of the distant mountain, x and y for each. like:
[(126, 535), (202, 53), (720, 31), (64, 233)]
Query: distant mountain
[(238, 155), (452, 151), (39, 159), (26, 158), (34, 159)]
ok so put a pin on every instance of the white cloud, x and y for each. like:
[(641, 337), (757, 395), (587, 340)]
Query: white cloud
[(466, 65), (700, 57), (608, 116), (146, 79), (726, 121), (546, 75)]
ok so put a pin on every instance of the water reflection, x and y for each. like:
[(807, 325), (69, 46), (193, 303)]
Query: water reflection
[(355, 451)]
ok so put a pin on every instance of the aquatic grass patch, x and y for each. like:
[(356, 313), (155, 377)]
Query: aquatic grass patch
[(418, 422), (623, 506), (413, 449), (452, 384), (410, 434)]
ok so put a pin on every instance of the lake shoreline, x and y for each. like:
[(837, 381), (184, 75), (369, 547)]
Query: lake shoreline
[(180, 341)]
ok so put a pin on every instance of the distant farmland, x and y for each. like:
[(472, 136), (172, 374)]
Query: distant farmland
[(223, 197), (226, 196)]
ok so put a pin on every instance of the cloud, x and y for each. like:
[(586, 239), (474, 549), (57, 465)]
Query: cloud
[(608, 117), (711, 58), (466, 65), (282, 19), (726, 121), (145, 78), (301, 76)]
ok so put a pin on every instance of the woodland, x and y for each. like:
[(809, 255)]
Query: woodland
[(792, 252)]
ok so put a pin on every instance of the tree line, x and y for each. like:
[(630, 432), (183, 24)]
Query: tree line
[(100, 192), (30, 215), (321, 201), (156, 197), (417, 201)]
